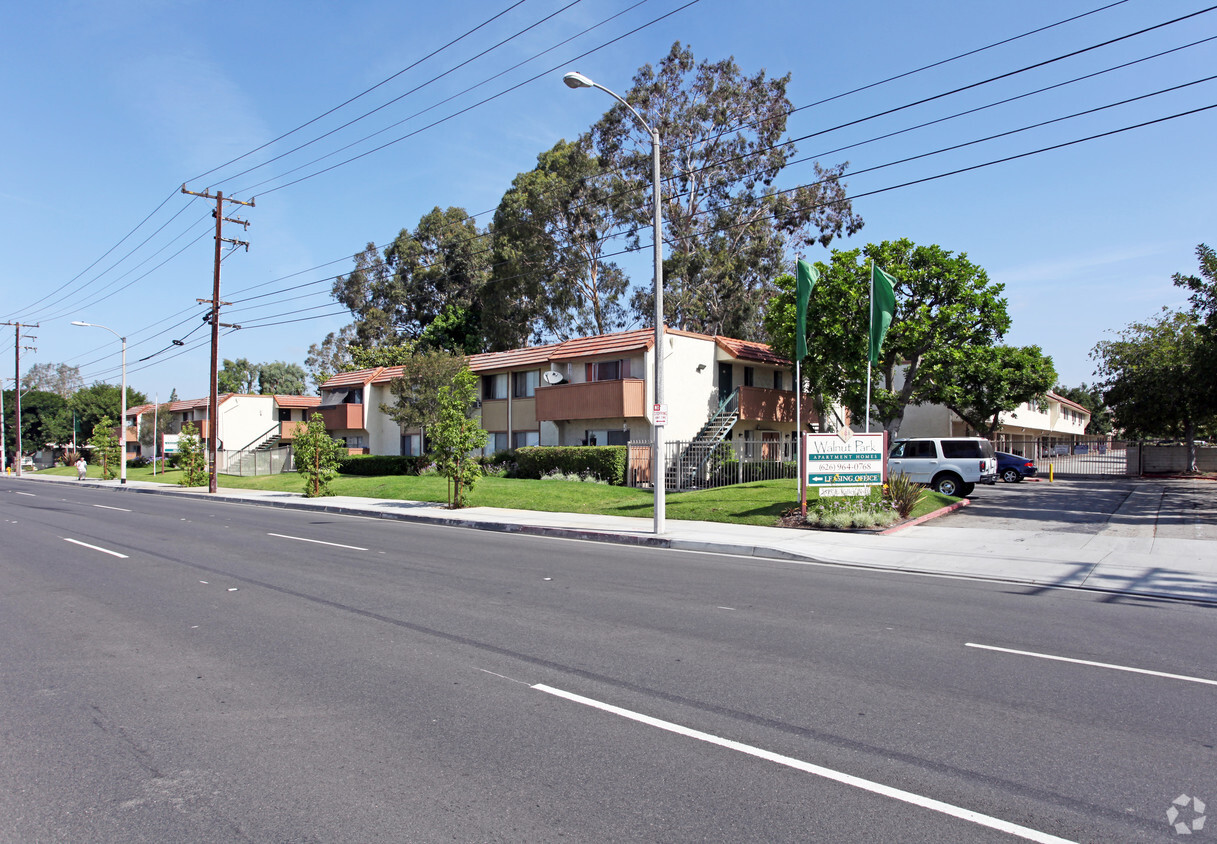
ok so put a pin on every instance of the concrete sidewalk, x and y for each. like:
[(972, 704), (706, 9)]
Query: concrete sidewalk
[(1154, 545)]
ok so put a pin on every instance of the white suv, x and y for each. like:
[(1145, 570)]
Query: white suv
[(949, 465)]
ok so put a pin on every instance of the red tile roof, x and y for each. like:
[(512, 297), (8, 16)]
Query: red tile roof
[(298, 401), (750, 350), (579, 348), (1068, 402), (358, 378)]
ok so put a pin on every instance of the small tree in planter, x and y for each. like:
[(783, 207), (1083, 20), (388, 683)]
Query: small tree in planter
[(316, 454), (455, 435), (105, 448), (190, 457)]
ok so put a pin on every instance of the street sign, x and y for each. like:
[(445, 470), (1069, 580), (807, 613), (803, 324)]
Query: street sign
[(843, 464), (660, 414)]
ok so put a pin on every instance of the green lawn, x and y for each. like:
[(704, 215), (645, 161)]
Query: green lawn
[(759, 503)]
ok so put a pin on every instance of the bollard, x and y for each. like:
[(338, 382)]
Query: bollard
[(1051, 467)]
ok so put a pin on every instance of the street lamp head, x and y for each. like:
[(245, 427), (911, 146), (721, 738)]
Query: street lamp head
[(78, 322), (577, 80)]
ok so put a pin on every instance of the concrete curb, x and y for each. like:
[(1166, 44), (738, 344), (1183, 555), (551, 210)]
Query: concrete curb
[(942, 511)]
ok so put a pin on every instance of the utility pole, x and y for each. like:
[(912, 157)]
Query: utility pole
[(17, 388), (213, 407)]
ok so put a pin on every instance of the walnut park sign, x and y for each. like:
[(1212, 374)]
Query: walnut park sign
[(843, 464)]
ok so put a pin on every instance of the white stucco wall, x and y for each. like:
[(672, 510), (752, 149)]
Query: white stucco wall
[(384, 434), (690, 395), (245, 419)]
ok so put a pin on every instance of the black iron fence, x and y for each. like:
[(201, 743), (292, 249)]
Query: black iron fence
[(694, 465)]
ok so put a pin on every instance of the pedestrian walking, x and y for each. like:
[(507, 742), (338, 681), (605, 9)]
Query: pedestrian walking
[(81, 468)]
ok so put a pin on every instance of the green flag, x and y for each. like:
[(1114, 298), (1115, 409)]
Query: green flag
[(807, 278), (882, 307)]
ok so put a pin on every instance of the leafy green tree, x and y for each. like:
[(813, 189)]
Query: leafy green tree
[(456, 435), (330, 356), (1203, 287), (153, 426), (424, 375), (237, 376), (728, 230), (550, 276), (1091, 398), (980, 383), (436, 272), (1155, 381), (281, 379), (58, 378), (191, 458), (316, 454), (100, 401), (362, 357), (944, 304), (104, 443), (45, 420)]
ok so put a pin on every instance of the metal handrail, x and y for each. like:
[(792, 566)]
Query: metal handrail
[(262, 437)]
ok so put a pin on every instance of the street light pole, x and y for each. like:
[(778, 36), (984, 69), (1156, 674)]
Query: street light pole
[(122, 420), (660, 410)]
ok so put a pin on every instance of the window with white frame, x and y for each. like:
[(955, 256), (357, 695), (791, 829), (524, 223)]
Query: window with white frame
[(524, 384), (494, 386)]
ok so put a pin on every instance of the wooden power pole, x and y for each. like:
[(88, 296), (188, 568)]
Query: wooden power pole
[(213, 407), (17, 392)]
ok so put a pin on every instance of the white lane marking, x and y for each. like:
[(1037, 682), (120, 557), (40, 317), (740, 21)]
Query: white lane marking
[(30, 494), (107, 507), (317, 541), (817, 770), (1095, 664), (95, 548), (726, 608)]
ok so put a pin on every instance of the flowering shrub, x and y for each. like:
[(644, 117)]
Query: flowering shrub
[(858, 511)]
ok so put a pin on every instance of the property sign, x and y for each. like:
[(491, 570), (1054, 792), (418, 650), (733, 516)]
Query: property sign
[(844, 463), (169, 443)]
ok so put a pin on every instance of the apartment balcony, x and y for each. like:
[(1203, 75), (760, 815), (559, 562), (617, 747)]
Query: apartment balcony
[(343, 417), (621, 399), (290, 430), (757, 404)]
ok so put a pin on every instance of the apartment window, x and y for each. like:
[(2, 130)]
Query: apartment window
[(749, 375), (494, 386), (777, 379), (495, 441), (285, 414), (524, 384), (618, 438), (523, 439), (608, 370), (411, 444)]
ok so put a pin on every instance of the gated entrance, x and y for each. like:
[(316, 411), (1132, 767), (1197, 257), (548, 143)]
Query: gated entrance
[(1073, 457)]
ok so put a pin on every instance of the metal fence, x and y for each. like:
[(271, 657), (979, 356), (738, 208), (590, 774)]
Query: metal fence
[(694, 465), (270, 461), (1072, 456)]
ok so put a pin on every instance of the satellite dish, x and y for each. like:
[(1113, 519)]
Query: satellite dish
[(552, 377)]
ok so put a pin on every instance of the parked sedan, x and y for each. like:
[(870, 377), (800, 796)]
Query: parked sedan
[(1012, 468)]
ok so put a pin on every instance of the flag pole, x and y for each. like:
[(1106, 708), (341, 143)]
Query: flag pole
[(868, 335)]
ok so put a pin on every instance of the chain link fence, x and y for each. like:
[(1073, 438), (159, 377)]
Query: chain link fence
[(270, 461)]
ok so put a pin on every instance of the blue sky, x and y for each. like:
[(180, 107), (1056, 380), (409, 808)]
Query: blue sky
[(109, 108)]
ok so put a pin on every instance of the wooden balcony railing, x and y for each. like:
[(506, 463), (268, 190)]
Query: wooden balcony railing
[(758, 404), (343, 417), (592, 400)]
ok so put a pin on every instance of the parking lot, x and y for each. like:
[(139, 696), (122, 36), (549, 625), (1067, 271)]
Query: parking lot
[(1184, 509)]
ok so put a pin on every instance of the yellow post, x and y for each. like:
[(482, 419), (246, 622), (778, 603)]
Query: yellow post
[(1051, 467)]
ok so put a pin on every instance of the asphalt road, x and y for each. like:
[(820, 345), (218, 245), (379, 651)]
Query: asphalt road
[(252, 674)]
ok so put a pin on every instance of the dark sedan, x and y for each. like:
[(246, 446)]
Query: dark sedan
[(1012, 468)]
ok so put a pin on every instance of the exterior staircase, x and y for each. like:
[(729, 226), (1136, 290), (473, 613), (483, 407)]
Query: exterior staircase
[(693, 458)]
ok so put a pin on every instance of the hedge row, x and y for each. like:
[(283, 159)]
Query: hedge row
[(607, 462), (380, 464)]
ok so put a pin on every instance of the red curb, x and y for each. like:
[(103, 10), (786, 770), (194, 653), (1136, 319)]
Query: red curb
[(950, 508)]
